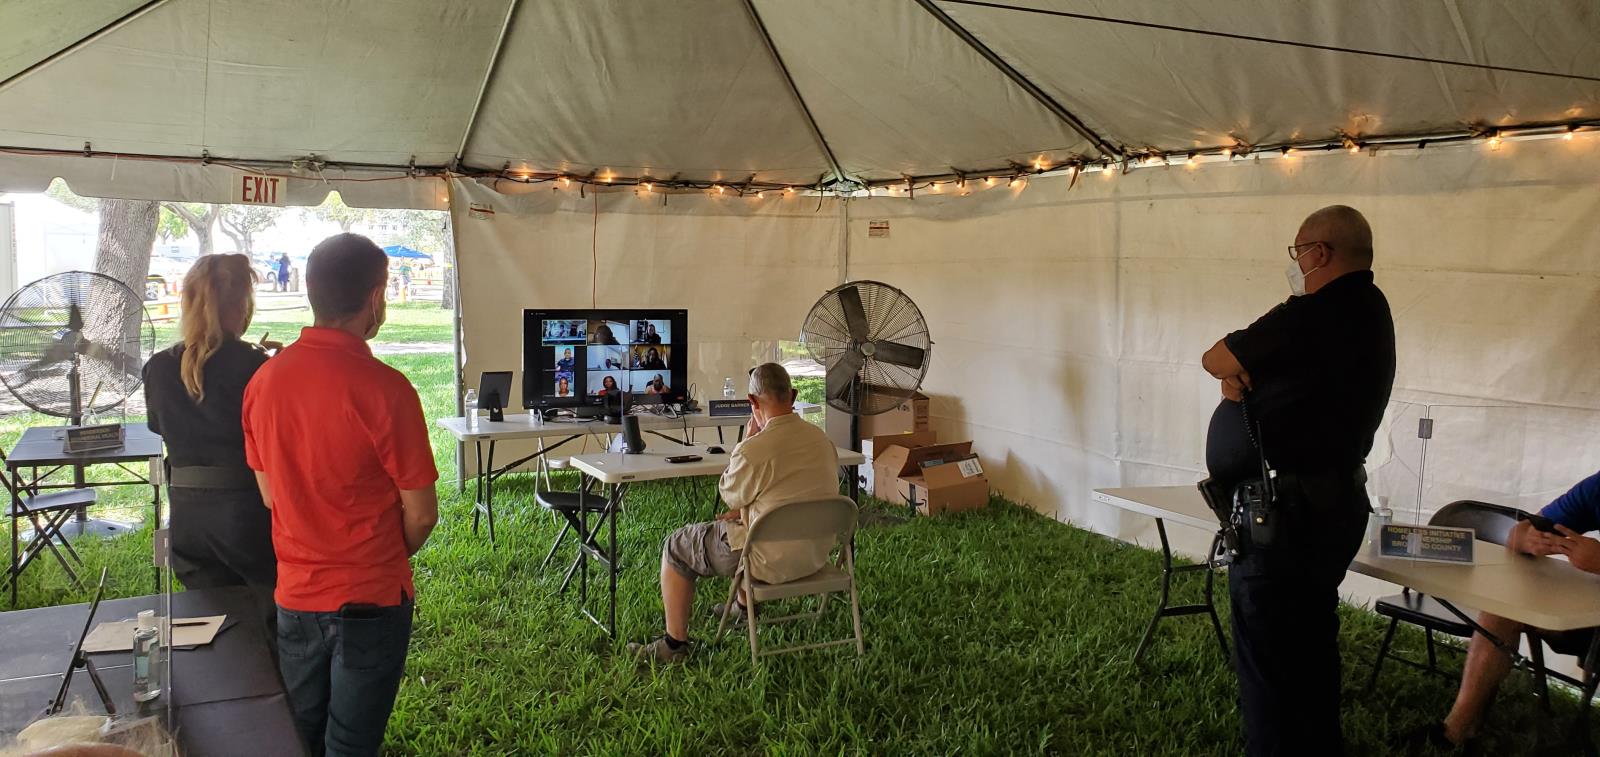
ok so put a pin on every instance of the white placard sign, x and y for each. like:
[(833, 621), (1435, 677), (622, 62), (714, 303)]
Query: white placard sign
[(252, 189)]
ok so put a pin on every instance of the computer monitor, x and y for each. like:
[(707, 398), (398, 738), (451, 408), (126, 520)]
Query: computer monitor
[(576, 357)]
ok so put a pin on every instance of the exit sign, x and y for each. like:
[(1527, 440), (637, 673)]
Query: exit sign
[(250, 189)]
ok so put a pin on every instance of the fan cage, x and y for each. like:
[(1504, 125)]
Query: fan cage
[(38, 347), (891, 316)]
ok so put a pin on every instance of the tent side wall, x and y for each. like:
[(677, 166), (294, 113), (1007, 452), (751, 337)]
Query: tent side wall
[(1069, 324)]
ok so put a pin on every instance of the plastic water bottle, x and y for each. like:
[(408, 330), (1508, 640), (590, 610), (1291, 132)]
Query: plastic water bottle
[(146, 654), (471, 405), (1381, 516), (727, 388)]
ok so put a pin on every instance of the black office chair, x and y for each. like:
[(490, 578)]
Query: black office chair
[(1493, 523)]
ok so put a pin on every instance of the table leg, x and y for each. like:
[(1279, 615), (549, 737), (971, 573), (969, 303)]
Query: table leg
[(1591, 680), (614, 507), (488, 494), (1163, 609), (155, 485), (477, 484), (15, 573)]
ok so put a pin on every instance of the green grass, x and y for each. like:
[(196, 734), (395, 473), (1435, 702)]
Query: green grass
[(993, 632)]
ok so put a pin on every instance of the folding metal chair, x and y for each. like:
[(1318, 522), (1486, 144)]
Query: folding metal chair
[(832, 518), (564, 506), (1492, 523), (47, 513)]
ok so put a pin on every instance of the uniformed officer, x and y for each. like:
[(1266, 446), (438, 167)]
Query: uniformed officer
[(1313, 376)]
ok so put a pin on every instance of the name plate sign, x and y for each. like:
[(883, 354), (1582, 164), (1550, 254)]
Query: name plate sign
[(1433, 543)]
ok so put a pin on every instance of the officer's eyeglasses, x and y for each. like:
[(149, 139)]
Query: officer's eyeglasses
[(1296, 250)]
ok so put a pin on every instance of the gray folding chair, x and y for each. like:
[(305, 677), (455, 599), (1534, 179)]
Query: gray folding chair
[(832, 518)]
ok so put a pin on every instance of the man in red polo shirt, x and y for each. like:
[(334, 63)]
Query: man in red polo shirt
[(341, 453)]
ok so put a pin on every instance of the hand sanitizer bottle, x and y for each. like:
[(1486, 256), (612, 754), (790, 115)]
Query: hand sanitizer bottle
[(727, 388), (146, 654), (1382, 516)]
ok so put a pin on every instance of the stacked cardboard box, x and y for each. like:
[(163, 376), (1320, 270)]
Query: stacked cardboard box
[(914, 469)]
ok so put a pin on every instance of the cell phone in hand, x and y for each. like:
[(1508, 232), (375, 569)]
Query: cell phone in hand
[(1540, 522)]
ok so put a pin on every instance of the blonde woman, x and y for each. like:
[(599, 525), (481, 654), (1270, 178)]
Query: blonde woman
[(221, 531)]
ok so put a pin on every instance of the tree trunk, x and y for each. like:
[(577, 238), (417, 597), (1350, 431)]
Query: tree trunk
[(202, 225), (127, 234)]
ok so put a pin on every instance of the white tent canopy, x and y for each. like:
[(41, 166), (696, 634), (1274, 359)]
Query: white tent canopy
[(768, 91)]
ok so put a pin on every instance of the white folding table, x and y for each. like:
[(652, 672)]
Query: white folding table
[(616, 471), (1543, 592), (1179, 504), (486, 434)]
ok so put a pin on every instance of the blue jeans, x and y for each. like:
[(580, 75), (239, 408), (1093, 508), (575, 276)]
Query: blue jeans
[(342, 670)]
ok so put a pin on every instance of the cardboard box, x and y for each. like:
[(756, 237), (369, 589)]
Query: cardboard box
[(945, 486), (893, 466), (911, 416), (885, 462)]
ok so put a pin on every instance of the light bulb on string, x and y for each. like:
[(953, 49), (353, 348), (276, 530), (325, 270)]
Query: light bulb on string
[(719, 189), (761, 195), (1571, 131), (989, 182), (788, 190), (1190, 162), (566, 182), (1494, 141), (934, 186), (647, 185), (1227, 152)]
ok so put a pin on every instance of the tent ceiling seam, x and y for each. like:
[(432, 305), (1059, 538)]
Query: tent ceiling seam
[(1272, 41), (1010, 72), (120, 22), (488, 78), (805, 110)]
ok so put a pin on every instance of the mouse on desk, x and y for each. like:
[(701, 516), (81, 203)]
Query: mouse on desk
[(714, 450)]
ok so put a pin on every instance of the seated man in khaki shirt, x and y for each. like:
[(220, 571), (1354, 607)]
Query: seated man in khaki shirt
[(782, 459)]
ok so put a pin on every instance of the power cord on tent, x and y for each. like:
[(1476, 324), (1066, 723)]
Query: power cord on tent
[(594, 256)]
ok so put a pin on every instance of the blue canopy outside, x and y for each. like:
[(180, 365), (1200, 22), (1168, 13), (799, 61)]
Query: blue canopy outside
[(402, 251)]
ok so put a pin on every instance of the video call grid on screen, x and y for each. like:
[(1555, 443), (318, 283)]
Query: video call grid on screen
[(577, 357)]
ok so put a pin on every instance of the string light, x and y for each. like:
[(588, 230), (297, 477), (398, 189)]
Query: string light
[(719, 189), (934, 187), (1494, 141), (1571, 130), (566, 182), (1190, 162), (989, 182), (1227, 152), (1039, 164), (647, 186), (761, 195), (606, 178), (788, 190)]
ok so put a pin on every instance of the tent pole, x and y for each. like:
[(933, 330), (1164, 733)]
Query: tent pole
[(488, 78), (811, 121), (122, 21), (1016, 77)]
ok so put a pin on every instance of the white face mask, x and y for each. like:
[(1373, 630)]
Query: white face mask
[(1297, 280)]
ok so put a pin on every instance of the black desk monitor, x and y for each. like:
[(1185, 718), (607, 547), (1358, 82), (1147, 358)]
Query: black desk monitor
[(494, 392)]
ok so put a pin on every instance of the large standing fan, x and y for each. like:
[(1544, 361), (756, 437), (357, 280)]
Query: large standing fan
[(73, 339), (872, 341)]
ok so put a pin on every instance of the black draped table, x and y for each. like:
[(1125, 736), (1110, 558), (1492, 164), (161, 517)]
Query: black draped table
[(226, 695)]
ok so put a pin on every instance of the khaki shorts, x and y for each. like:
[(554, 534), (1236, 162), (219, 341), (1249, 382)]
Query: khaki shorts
[(700, 550)]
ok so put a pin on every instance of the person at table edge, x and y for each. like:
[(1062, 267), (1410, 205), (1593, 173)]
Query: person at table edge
[(221, 534), (1314, 374), (782, 459), (1575, 513), (341, 453)]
